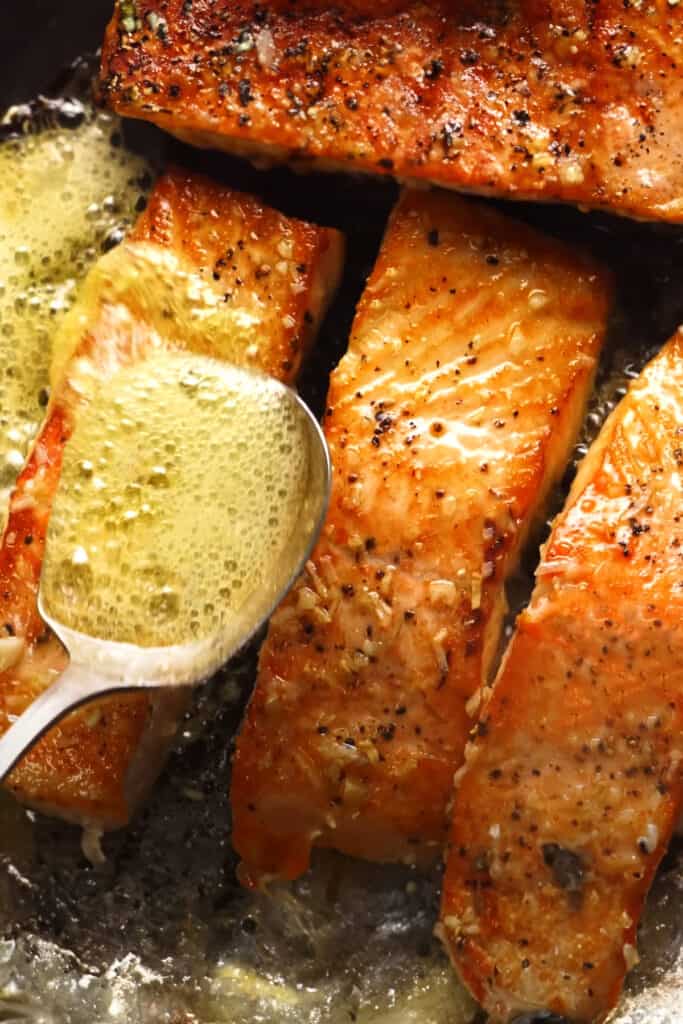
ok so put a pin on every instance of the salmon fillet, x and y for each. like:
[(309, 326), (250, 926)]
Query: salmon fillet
[(229, 277), (574, 784), (470, 358), (571, 100)]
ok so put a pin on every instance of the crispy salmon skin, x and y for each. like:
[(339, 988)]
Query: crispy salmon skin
[(261, 282), (578, 101), (573, 787), (470, 358)]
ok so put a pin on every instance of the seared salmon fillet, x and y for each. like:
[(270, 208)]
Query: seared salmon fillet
[(471, 355), (571, 100), (573, 784), (204, 268)]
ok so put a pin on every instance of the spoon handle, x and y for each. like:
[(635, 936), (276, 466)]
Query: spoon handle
[(75, 686)]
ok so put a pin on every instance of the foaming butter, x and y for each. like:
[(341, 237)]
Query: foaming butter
[(140, 283), (64, 193), (181, 484)]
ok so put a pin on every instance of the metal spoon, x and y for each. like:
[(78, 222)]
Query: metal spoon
[(98, 667)]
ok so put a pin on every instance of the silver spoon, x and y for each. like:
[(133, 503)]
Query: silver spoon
[(98, 667)]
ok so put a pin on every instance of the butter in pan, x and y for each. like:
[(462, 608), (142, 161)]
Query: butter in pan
[(64, 195)]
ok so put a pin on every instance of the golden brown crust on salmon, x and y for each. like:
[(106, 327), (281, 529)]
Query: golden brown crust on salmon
[(278, 271), (571, 100), (470, 357), (573, 788), (277, 274)]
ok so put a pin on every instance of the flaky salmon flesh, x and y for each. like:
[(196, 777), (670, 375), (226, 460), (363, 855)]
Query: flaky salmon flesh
[(574, 784), (263, 281), (572, 100), (470, 359)]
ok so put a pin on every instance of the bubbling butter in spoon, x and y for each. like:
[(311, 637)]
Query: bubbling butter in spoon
[(184, 484), (191, 494)]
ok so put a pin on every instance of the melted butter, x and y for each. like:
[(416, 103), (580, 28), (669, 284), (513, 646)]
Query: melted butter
[(63, 192), (140, 283), (181, 484)]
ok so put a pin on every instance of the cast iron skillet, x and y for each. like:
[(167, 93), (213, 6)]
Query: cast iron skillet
[(162, 931)]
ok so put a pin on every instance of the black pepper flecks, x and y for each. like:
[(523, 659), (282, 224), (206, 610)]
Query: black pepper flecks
[(244, 92), (434, 70)]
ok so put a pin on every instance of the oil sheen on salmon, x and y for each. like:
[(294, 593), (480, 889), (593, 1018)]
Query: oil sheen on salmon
[(180, 485)]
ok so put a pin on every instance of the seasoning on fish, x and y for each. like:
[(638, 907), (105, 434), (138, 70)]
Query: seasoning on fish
[(470, 359), (573, 785), (579, 102), (205, 269)]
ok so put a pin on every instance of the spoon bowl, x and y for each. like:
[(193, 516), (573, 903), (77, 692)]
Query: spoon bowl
[(100, 666)]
